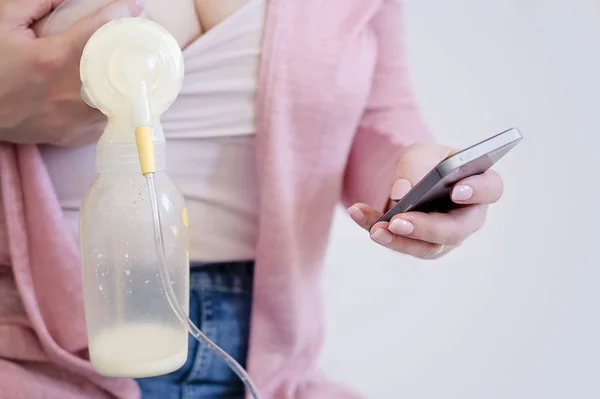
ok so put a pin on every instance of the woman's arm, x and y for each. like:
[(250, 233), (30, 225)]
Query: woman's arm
[(391, 120)]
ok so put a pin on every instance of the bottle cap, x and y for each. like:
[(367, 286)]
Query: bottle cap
[(131, 65)]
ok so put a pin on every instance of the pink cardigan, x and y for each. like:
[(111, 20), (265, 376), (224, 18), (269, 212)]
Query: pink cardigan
[(335, 110)]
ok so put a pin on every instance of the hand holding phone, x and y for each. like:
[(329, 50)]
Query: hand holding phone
[(429, 219), (432, 193)]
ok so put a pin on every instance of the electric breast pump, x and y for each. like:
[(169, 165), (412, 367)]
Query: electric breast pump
[(133, 221)]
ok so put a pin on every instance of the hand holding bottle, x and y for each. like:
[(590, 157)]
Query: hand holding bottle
[(39, 77)]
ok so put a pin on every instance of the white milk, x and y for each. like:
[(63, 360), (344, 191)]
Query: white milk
[(138, 350)]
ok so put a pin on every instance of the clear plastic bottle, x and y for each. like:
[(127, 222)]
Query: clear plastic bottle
[(132, 329), (133, 332)]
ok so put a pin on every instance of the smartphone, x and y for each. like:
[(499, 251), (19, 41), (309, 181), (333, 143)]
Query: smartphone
[(432, 193)]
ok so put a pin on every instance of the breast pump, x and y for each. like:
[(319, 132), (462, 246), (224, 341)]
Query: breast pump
[(133, 221)]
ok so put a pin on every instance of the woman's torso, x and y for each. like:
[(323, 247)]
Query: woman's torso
[(317, 76), (210, 128)]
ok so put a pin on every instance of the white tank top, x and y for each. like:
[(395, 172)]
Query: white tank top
[(210, 131)]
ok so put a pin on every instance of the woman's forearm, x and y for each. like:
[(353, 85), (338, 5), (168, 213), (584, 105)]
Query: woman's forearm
[(391, 120)]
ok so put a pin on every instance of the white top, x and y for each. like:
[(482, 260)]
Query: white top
[(210, 131)]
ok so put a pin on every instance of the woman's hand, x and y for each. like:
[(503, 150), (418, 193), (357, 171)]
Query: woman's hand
[(39, 77), (430, 235)]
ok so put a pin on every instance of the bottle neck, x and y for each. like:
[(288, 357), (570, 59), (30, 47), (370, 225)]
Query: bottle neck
[(116, 151)]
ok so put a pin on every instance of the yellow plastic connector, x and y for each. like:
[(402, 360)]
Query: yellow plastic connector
[(145, 146)]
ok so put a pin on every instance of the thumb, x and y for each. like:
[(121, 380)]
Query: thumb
[(24, 12), (77, 35)]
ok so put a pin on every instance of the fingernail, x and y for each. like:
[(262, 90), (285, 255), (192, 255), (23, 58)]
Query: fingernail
[(400, 188), (462, 193), (356, 214), (139, 3), (401, 227), (382, 236)]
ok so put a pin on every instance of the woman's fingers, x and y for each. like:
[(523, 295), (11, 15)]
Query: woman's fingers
[(423, 235), (486, 188), (364, 215), (406, 245), (440, 228), (449, 229)]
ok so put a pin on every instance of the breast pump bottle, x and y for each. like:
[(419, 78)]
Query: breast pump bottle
[(132, 70), (133, 223)]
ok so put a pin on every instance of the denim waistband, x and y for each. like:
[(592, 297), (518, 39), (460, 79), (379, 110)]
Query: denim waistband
[(233, 277)]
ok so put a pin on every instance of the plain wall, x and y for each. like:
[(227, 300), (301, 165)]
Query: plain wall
[(514, 312)]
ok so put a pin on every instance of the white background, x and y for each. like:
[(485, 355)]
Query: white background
[(513, 314)]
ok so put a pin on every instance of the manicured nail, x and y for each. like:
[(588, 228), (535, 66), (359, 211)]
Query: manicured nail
[(462, 193), (139, 3), (399, 189), (356, 214), (401, 227), (382, 236)]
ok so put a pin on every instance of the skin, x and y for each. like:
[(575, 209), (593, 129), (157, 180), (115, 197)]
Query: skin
[(187, 20), (212, 12), (430, 235)]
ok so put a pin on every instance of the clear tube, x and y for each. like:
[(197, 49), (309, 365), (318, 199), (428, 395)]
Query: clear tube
[(172, 298)]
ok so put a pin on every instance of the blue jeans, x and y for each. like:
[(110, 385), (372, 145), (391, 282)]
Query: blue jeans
[(220, 302)]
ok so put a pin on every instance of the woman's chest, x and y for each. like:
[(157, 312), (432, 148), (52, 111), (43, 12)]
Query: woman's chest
[(187, 20), (314, 60)]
